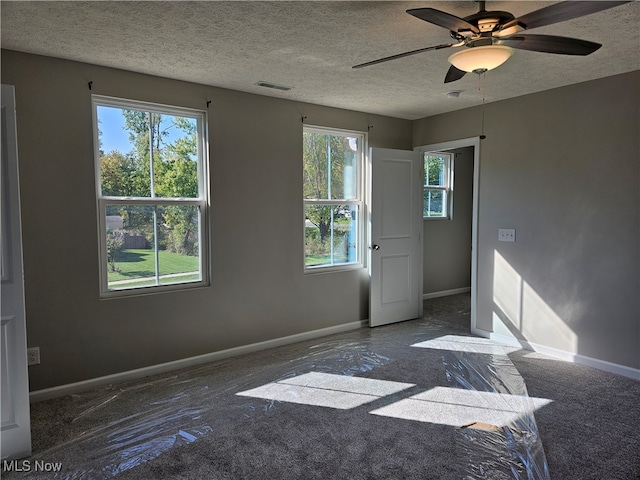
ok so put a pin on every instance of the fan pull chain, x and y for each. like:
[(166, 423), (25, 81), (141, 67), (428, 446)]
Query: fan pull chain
[(482, 85)]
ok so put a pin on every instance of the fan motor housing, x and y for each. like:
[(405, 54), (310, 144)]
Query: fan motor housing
[(502, 17), (486, 22)]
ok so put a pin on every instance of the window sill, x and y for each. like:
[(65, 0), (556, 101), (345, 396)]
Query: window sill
[(333, 268), (152, 290)]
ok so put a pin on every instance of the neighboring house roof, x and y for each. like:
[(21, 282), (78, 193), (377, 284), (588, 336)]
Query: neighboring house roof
[(115, 222)]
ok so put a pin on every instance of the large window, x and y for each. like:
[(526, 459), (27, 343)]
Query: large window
[(438, 185), (152, 195), (333, 204)]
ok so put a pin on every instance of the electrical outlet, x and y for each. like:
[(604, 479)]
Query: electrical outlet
[(506, 235), (33, 356)]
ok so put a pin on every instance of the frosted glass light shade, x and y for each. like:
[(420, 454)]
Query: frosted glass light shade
[(480, 58)]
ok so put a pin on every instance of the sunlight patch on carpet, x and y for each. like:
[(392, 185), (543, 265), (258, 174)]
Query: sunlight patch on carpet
[(327, 390), (457, 407), (459, 343)]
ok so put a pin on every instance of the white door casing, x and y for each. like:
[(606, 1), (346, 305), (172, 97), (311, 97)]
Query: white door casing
[(452, 145), (15, 433), (395, 236)]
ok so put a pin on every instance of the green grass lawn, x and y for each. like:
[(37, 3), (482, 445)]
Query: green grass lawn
[(314, 260), (319, 253), (133, 263)]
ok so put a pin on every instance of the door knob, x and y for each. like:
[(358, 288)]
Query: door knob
[(375, 247)]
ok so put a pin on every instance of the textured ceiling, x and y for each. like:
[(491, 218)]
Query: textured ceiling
[(311, 46)]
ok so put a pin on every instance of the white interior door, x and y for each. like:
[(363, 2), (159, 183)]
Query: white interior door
[(15, 433), (395, 236)]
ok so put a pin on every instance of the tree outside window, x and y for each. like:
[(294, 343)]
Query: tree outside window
[(332, 205)]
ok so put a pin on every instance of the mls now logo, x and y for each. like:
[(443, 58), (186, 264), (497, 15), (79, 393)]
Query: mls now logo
[(29, 466)]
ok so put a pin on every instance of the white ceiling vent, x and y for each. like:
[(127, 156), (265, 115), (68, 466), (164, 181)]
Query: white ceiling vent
[(273, 85)]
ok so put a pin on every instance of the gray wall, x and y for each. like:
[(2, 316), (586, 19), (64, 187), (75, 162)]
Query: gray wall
[(559, 166), (562, 167), (447, 243), (258, 288)]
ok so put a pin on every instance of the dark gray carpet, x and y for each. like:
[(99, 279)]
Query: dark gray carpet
[(191, 424)]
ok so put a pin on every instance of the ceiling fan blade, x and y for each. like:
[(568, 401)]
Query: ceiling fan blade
[(443, 19), (559, 12), (405, 54), (454, 74), (551, 44)]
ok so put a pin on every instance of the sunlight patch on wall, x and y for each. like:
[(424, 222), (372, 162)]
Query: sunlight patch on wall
[(507, 288), (538, 317), (327, 390), (525, 310)]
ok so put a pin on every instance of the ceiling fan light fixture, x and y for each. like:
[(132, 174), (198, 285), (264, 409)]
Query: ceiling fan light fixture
[(480, 59)]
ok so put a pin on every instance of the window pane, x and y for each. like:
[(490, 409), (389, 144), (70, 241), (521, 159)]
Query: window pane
[(434, 203), (179, 244), (130, 246), (175, 156), (136, 233), (126, 141), (330, 166), (331, 234), (123, 143), (434, 170), (344, 155)]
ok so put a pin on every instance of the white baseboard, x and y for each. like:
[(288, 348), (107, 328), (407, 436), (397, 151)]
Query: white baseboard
[(561, 354), (481, 333), (70, 388), (445, 293)]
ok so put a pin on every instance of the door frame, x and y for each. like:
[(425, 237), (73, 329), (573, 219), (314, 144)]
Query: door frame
[(451, 145)]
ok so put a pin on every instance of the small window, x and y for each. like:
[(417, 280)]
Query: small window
[(152, 195), (332, 165), (438, 185)]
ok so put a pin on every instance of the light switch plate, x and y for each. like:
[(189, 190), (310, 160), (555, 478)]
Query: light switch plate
[(506, 234)]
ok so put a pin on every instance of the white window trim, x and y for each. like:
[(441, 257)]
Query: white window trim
[(202, 202), (360, 202), (447, 189)]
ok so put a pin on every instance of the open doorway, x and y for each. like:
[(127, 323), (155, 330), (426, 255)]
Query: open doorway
[(450, 229)]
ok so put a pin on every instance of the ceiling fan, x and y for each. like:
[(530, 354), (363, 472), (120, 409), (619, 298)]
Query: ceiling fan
[(488, 37)]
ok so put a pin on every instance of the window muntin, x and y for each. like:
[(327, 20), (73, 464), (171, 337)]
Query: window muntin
[(152, 199), (332, 190), (437, 185)]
